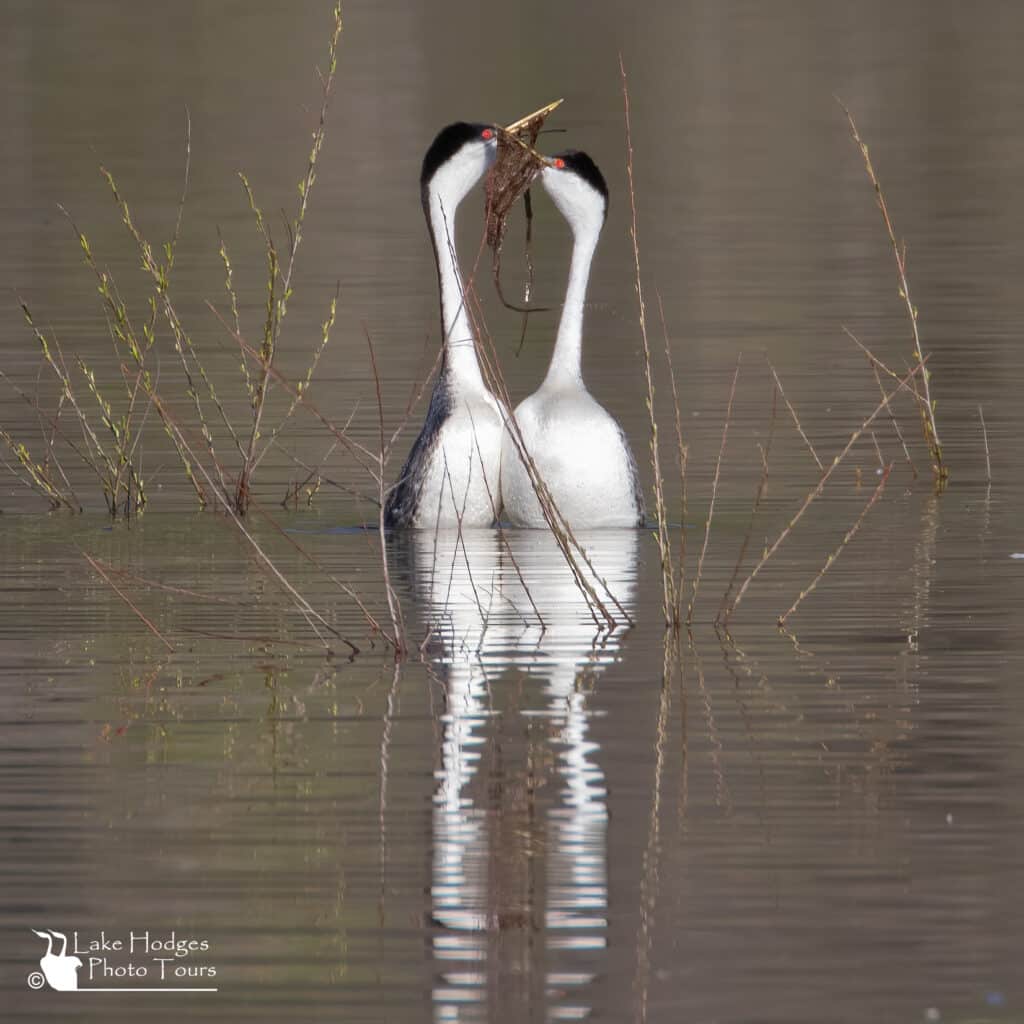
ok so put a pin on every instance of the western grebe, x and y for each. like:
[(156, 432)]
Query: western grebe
[(452, 472), (579, 449)]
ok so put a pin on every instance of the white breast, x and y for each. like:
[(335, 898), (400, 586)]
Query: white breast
[(582, 456), (461, 479)]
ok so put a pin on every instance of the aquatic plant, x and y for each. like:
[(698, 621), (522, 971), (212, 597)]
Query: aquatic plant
[(110, 448), (671, 598), (926, 404)]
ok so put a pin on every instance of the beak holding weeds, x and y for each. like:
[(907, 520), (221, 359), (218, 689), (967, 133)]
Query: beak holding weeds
[(516, 166)]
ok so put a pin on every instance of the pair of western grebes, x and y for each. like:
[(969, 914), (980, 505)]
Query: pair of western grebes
[(465, 469)]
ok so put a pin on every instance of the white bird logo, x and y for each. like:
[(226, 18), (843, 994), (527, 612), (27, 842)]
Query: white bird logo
[(60, 971)]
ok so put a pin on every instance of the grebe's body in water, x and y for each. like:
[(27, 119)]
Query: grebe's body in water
[(581, 452), (451, 475)]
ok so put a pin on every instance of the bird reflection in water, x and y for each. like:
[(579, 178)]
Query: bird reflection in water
[(519, 891)]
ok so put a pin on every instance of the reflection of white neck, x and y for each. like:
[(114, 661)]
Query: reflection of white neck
[(578, 886), (566, 358), (459, 348)]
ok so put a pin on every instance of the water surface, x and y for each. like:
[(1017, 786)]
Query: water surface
[(526, 821)]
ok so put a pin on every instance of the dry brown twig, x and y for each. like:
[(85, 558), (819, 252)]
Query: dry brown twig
[(850, 534), (572, 551), (927, 405), (669, 600), (682, 457), (124, 574), (878, 450), (394, 605), (127, 600), (762, 486), (817, 490), (895, 425), (714, 491), (984, 434), (349, 591), (792, 412), (277, 309), (876, 365), (363, 455), (308, 612), (503, 540)]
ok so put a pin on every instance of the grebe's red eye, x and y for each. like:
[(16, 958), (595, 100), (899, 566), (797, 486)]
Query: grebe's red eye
[(487, 134), (559, 163)]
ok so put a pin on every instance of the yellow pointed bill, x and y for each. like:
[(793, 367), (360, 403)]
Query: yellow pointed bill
[(515, 126)]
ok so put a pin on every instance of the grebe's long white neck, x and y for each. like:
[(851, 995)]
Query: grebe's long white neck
[(578, 448), (451, 476), (456, 161), (459, 347), (579, 192), (566, 359)]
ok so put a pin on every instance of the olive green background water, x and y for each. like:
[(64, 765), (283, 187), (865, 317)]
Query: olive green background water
[(526, 824)]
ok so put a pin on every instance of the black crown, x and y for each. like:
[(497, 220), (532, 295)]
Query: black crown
[(580, 163), (448, 142)]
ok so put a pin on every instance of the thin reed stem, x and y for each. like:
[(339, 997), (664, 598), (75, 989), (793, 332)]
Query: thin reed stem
[(394, 605), (714, 491), (984, 434), (363, 455), (927, 408), (817, 490), (127, 600), (762, 486), (277, 308), (349, 591), (850, 534), (792, 412), (668, 586), (308, 612), (682, 456), (876, 365), (570, 547)]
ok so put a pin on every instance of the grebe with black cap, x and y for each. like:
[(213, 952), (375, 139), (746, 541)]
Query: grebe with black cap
[(578, 447), (451, 475)]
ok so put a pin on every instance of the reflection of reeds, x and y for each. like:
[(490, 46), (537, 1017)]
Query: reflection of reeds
[(926, 403), (671, 668)]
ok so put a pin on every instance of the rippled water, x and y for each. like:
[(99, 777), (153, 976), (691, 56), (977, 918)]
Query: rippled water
[(532, 818)]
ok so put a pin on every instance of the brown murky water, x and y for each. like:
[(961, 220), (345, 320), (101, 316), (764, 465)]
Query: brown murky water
[(527, 824)]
